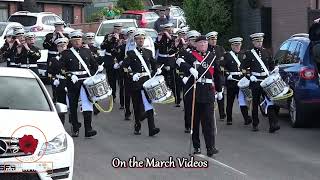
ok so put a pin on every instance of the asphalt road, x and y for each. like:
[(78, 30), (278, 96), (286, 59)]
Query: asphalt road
[(290, 154)]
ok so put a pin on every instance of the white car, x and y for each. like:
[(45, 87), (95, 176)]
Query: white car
[(107, 27), (4, 28), (33, 141), (35, 22), (150, 32)]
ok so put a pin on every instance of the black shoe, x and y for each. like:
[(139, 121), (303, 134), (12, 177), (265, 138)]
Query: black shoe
[(187, 130), (255, 128), (90, 133), (177, 105), (274, 129), (137, 128), (121, 108), (248, 121), (154, 131), (197, 151), (212, 151), (137, 132), (229, 123), (74, 133), (222, 117)]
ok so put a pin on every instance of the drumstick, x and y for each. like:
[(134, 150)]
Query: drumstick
[(156, 72), (97, 70)]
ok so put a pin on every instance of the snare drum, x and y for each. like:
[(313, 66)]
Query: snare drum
[(244, 85), (274, 86), (97, 87), (157, 89)]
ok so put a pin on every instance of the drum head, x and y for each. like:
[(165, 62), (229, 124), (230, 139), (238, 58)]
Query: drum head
[(244, 82), (153, 82)]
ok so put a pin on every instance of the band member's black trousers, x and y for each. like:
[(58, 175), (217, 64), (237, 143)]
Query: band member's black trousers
[(204, 113), (139, 112), (178, 88), (60, 95), (127, 95), (112, 79), (73, 96), (232, 94), (221, 103), (187, 100), (121, 87), (257, 93)]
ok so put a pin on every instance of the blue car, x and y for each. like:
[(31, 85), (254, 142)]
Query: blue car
[(299, 70)]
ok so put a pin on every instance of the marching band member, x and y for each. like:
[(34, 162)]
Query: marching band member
[(55, 71), (165, 45), (259, 61), (111, 44), (28, 54), (141, 62), (126, 76), (219, 52), (205, 80), (49, 44), (6, 51), (180, 45), (191, 36), (231, 63), (78, 64)]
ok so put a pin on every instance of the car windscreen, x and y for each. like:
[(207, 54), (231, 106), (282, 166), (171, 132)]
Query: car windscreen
[(24, 20), (39, 42), (22, 94), (2, 28), (152, 34), (131, 16), (108, 27)]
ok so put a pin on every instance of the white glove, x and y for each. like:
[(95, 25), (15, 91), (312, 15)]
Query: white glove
[(116, 66), (120, 63), (74, 79), (185, 80), (229, 77), (167, 68), (194, 72), (253, 78), (56, 82), (275, 70), (136, 77), (159, 71), (100, 68), (219, 95)]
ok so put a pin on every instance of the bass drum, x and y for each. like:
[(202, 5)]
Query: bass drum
[(148, 44)]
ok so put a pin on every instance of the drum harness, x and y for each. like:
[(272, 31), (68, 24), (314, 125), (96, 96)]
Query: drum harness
[(87, 70)]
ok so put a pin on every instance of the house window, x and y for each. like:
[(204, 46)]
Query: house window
[(3, 12)]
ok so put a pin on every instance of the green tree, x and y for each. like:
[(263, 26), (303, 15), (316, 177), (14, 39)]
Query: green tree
[(130, 4), (209, 15)]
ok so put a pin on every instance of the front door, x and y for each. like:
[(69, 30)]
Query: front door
[(67, 14)]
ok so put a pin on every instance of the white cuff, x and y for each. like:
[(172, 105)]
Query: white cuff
[(179, 61)]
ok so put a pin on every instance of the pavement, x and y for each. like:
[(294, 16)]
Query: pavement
[(289, 154)]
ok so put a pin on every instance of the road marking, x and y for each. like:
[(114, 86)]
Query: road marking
[(221, 164)]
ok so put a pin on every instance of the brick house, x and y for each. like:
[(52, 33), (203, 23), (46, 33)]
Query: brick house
[(71, 11), (278, 19)]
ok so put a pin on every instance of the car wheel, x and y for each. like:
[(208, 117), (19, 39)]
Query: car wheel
[(295, 114)]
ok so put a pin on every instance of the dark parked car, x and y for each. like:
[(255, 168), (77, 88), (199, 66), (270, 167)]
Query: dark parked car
[(145, 19), (299, 70)]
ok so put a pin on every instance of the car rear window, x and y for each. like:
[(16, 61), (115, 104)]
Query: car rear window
[(30, 96), (24, 20), (108, 27), (131, 16)]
